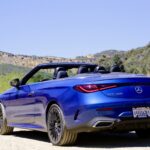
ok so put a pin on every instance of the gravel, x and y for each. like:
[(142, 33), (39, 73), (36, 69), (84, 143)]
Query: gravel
[(32, 140)]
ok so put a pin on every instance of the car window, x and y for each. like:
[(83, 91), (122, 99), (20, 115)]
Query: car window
[(47, 74), (72, 72), (41, 75)]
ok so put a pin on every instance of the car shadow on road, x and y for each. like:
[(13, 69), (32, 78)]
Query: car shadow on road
[(114, 140), (93, 140), (34, 135)]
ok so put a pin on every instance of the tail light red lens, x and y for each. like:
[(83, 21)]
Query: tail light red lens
[(90, 88)]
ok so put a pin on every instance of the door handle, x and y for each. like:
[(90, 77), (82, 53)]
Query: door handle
[(31, 93)]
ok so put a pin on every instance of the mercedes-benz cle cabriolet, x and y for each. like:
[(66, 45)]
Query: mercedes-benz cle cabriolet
[(64, 99)]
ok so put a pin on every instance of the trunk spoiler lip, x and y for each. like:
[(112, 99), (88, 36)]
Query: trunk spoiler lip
[(121, 81)]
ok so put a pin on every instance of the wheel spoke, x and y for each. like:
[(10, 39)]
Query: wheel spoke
[(55, 124)]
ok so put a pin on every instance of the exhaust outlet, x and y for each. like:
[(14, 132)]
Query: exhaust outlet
[(99, 124)]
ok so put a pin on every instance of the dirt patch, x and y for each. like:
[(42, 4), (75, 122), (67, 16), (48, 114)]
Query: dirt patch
[(32, 140)]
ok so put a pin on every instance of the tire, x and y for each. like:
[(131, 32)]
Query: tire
[(57, 131), (145, 133), (4, 129)]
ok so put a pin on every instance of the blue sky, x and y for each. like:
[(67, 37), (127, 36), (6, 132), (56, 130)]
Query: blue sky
[(70, 28)]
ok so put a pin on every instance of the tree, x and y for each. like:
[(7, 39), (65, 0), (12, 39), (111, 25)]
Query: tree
[(148, 45), (104, 61), (118, 62)]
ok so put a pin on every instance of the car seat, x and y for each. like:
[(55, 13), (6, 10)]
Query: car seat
[(100, 69), (57, 70), (62, 74), (115, 68), (82, 69)]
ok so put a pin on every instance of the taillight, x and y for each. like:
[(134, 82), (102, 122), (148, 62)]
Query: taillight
[(90, 88)]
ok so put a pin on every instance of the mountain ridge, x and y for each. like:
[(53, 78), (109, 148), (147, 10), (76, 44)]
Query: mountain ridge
[(135, 60), (33, 60), (15, 66)]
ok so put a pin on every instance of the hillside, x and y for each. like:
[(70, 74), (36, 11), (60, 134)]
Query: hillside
[(9, 72), (9, 68), (109, 53), (135, 60), (27, 61), (138, 60), (15, 66)]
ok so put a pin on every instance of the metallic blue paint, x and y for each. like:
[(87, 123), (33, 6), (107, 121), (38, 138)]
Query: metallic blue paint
[(26, 107)]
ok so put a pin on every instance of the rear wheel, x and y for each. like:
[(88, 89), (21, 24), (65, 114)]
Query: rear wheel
[(4, 129), (57, 132), (143, 133)]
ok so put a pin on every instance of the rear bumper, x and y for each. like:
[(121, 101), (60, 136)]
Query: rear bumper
[(114, 125), (118, 118)]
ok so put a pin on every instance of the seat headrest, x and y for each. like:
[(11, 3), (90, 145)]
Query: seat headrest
[(62, 74), (115, 68), (82, 69), (100, 69), (57, 70)]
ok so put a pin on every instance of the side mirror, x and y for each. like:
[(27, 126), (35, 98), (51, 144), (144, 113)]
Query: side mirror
[(15, 83)]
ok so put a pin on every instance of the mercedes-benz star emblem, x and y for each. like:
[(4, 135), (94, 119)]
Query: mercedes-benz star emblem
[(138, 89)]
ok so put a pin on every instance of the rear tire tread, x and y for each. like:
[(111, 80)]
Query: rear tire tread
[(68, 137), (5, 130)]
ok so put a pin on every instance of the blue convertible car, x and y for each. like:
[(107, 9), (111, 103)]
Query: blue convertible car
[(47, 99)]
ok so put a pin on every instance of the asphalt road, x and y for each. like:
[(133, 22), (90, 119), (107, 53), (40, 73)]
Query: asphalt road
[(32, 140)]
